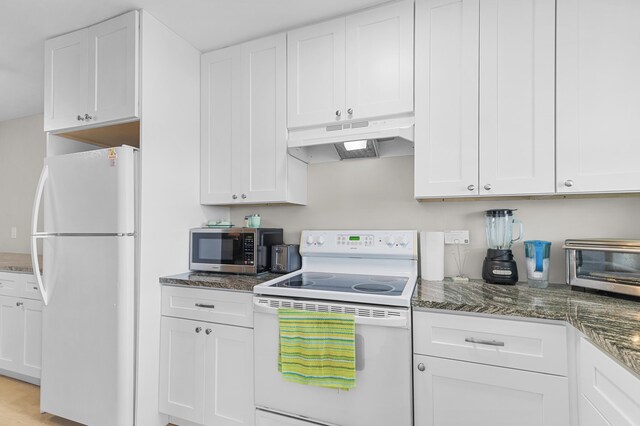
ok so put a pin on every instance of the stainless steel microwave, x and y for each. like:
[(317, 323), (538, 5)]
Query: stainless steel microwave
[(604, 264), (233, 250)]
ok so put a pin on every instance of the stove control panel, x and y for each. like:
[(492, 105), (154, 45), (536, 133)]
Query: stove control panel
[(365, 243)]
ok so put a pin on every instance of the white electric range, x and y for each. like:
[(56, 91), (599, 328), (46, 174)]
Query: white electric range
[(371, 275)]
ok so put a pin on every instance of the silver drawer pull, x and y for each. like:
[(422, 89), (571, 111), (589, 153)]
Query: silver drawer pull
[(203, 305), (484, 342)]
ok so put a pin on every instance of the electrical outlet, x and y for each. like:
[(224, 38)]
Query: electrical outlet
[(456, 237), (14, 232)]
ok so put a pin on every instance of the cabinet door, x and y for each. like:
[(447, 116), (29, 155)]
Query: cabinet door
[(182, 365), (379, 61), (31, 331), (10, 333), (263, 131), (517, 78), (229, 375), (598, 96), (220, 120), (66, 80), (608, 393), (454, 393), (113, 69), (316, 74), (446, 129)]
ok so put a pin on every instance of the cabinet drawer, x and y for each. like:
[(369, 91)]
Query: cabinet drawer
[(29, 288), (11, 284), (502, 342), (221, 306)]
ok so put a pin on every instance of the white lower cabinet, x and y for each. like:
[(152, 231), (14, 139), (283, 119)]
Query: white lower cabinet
[(608, 394), (20, 329), (483, 371), (453, 393), (206, 372)]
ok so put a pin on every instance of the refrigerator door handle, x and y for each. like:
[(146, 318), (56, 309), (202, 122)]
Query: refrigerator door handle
[(34, 231)]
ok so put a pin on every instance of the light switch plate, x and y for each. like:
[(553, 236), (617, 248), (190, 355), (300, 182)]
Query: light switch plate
[(456, 237)]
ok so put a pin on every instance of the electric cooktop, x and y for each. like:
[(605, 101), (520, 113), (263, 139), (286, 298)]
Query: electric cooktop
[(345, 283)]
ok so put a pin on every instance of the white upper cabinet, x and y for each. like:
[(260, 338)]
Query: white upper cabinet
[(517, 78), (316, 79), (244, 136), (484, 97), (379, 61), (446, 129), (91, 75), (356, 67), (219, 155), (598, 96)]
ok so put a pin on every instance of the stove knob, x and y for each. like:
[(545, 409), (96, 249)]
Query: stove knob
[(389, 241), (403, 241), (320, 240), (310, 240)]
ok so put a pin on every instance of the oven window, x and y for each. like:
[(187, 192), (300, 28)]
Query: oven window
[(217, 249), (615, 267)]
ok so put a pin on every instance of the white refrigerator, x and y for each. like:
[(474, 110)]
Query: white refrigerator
[(88, 285)]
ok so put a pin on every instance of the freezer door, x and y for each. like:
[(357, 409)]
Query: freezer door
[(88, 329), (90, 192)]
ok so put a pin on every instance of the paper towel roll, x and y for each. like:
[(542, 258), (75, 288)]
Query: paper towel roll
[(432, 255)]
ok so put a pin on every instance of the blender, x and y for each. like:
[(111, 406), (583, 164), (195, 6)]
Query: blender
[(499, 266)]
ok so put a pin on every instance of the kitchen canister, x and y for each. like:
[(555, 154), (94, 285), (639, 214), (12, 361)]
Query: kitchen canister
[(432, 255)]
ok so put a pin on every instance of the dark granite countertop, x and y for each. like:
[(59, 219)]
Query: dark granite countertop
[(235, 282), (611, 323), (16, 262)]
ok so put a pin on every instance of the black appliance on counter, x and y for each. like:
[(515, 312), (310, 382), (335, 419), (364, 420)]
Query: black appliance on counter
[(499, 267)]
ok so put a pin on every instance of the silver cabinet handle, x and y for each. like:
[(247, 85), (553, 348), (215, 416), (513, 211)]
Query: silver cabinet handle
[(80, 118), (421, 367), (234, 196), (244, 196), (350, 111), (338, 113), (88, 117), (208, 331), (484, 342), (198, 329), (204, 305), (487, 187), (19, 303), (568, 183), (471, 187)]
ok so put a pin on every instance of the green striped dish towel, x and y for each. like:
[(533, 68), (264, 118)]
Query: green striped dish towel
[(317, 348)]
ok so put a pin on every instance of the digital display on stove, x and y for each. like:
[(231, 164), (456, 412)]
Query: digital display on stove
[(346, 283), (354, 238)]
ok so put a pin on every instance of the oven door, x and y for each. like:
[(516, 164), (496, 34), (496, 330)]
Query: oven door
[(222, 250), (382, 395)]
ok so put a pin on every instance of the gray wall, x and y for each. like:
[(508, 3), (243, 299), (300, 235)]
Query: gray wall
[(22, 150), (378, 193)]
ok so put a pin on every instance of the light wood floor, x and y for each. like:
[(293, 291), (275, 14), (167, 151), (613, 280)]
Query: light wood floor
[(20, 405)]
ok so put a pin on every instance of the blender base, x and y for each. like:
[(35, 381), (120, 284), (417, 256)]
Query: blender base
[(499, 267)]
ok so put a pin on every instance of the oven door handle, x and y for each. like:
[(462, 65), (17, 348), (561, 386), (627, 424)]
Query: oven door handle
[(391, 317)]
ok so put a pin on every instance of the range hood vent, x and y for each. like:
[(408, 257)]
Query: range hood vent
[(379, 138)]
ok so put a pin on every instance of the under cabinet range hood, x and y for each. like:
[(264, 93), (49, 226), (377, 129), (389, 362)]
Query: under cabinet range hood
[(390, 137)]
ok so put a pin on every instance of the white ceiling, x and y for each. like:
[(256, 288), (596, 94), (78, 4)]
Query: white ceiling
[(206, 24)]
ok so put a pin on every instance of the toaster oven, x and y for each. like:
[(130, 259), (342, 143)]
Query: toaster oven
[(604, 264)]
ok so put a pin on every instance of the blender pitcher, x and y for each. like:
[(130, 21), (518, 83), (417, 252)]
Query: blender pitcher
[(499, 228)]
